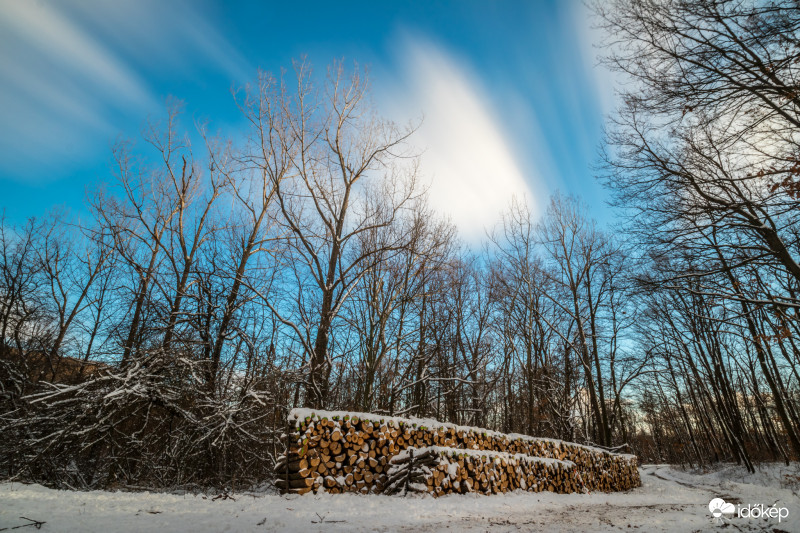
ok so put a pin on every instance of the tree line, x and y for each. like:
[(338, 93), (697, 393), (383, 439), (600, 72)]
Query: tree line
[(703, 157), (160, 339)]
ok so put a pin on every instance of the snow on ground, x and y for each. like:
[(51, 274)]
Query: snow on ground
[(669, 500)]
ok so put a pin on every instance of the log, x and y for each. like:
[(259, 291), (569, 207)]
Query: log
[(294, 483)]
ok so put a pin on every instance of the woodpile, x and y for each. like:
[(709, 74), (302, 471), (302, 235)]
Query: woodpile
[(354, 452), (440, 471)]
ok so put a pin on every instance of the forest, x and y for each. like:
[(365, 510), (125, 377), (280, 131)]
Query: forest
[(160, 337)]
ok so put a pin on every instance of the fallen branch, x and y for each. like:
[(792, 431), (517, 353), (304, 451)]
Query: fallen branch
[(35, 523)]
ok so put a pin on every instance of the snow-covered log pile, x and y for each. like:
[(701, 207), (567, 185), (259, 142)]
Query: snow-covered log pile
[(351, 452), (448, 470)]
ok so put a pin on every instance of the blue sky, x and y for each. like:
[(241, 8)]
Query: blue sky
[(512, 99)]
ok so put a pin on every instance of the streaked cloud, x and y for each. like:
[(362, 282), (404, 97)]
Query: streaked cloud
[(174, 35), (583, 25), (74, 75), (44, 30), (471, 163)]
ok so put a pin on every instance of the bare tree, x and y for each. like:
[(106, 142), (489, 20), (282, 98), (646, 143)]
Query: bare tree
[(704, 153), (343, 177)]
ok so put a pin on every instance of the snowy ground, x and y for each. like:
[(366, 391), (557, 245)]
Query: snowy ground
[(669, 500)]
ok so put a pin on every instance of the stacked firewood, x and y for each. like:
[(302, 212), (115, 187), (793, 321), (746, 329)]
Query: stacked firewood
[(296, 473), (601, 470), (440, 471), (340, 454), (350, 452)]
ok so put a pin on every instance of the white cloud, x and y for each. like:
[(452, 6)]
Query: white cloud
[(44, 29), (590, 38), (473, 169), (73, 75), (162, 34)]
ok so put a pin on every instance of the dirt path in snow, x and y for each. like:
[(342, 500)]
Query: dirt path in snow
[(663, 503)]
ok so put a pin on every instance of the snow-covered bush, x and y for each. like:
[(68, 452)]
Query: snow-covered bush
[(152, 423)]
